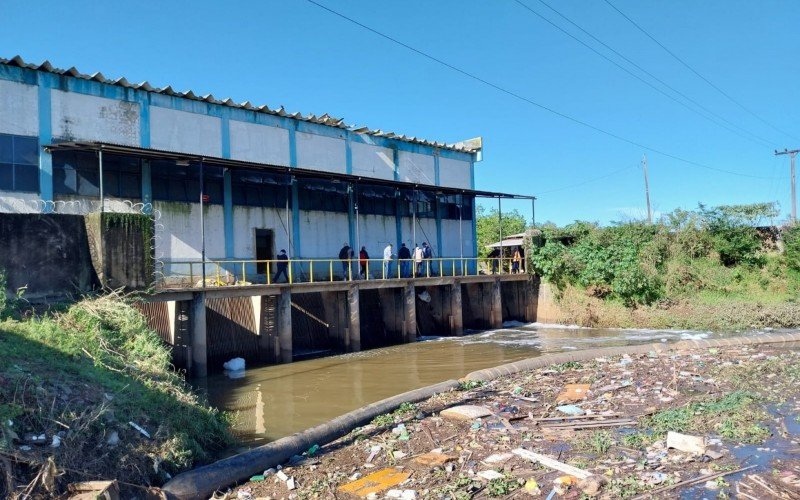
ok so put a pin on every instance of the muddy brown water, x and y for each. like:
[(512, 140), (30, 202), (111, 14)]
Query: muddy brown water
[(274, 401)]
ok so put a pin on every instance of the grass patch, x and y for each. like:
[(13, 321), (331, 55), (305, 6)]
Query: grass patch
[(83, 374), (735, 416), (565, 367), (387, 419)]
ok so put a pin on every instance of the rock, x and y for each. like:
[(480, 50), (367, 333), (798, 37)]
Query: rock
[(713, 454), (91, 490), (689, 444), (465, 412), (282, 476), (592, 485)]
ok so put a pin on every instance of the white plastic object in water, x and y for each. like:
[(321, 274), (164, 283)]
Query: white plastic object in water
[(234, 365)]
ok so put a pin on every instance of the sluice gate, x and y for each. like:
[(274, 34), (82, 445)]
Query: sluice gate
[(281, 323)]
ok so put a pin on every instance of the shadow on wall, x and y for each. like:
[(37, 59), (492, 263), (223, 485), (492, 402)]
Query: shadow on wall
[(60, 254)]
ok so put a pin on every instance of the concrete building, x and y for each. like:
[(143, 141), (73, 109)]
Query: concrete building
[(272, 179)]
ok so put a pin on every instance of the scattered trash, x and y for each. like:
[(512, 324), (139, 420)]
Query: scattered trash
[(257, 478), (433, 459), (497, 458), (140, 429), (552, 463), (91, 490), (592, 485), (570, 410), (532, 487), (234, 365), (313, 450), (402, 494), (56, 441), (113, 439), (686, 443), (465, 412), (282, 476), (372, 452), (424, 296), (375, 482), (573, 392), (490, 474)]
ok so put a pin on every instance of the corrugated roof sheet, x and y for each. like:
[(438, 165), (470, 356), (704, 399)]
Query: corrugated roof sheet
[(468, 146)]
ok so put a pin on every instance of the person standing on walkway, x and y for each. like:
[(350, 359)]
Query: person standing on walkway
[(419, 256), (427, 254), (345, 254), (515, 261), (387, 261), (281, 266), (363, 259), (404, 255), (494, 258)]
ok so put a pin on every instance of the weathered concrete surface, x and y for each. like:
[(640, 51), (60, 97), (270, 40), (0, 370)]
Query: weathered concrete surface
[(48, 253)]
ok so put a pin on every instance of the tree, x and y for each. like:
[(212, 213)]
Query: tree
[(488, 226)]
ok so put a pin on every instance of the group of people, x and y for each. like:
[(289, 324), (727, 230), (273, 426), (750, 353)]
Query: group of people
[(420, 257), (496, 258), (413, 263)]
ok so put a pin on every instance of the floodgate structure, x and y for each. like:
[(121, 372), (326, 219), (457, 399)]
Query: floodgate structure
[(243, 224)]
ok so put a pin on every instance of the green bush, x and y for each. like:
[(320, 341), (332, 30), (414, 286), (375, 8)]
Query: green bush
[(791, 246), (714, 249)]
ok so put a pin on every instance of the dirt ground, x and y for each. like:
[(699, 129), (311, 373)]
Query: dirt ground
[(734, 412)]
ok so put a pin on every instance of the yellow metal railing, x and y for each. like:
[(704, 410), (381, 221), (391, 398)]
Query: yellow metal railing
[(236, 272)]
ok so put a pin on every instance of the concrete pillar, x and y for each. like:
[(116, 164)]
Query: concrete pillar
[(285, 325), (496, 310), (199, 341), (354, 320), (410, 299), (531, 299), (456, 316)]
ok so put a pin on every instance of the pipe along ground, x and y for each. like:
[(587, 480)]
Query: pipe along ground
[(202, 482)]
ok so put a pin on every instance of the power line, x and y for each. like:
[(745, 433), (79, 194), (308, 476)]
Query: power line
[(643, 70), (527, 100), (690, 68), (588, 181)]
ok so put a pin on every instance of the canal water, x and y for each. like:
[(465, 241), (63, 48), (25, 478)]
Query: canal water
[(275, 401)]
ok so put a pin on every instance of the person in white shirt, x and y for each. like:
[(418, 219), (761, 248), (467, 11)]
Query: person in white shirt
[(419, 256), (387, 261)]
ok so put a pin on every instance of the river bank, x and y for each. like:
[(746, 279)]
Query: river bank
[(702, 312), (718, 397), (89, 393)]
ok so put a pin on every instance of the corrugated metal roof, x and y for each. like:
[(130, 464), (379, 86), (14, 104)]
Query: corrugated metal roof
[(468, 146)]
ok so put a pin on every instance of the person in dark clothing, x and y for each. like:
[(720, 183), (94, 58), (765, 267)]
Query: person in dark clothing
[(363, 258), (281, 266), (345, 254), (427, 255), (404, 255), (494, 255)]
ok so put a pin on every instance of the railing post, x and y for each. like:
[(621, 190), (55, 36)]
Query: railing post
[(291, 273), (311, 270), (330, 270), (269, 274), (244, 272)]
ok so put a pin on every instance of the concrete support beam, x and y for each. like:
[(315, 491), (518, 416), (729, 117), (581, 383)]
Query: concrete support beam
[(285, 326), (353, 339), (199, 340), (496, 310), (456, 315), (410, 323)]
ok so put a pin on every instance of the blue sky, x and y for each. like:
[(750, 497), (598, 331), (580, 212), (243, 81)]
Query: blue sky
[(294, 54)]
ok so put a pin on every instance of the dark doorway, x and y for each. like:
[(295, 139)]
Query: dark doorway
[(265, 248)]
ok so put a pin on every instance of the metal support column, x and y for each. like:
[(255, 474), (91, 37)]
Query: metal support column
[(199, 340), (285, 325), (410, 309), (354, 319)]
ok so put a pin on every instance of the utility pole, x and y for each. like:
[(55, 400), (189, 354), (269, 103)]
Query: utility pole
[(792, 155), (647, 189)]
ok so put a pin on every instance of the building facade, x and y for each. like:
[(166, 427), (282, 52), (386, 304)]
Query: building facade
[(360, 186)]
